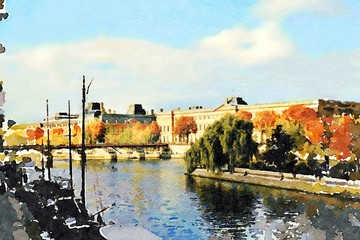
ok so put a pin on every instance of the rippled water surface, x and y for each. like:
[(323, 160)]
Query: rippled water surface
[(157, 196)]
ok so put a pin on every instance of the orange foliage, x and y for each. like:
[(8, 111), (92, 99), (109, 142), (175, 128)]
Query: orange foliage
[(154, 128), (139, 126), (34, 134), (300, 114), (265, 119), (314, 131), (341, 137), (184, 126), (307, 117), (327, 120), (77, 129), (95, 130), (58, 131), (244, 115)]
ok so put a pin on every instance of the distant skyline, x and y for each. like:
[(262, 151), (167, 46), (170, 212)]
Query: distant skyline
[(177, 53)]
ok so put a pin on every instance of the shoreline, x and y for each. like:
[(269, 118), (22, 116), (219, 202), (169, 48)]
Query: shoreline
[(302, 183)]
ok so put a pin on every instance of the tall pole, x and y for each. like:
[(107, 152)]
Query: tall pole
[(48, 162), (70, 157), (42, 159), (83, 154)]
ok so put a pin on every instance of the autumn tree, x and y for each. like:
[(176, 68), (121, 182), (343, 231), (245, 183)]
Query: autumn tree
[(355, 141), (184, 126), (57, 136), (264, 122), (300, 114), (113, 131), (154, 132), (340, 139), (244, 115), (308, 119), (76, 134), (15, 137), (35, 134), (95, 131)]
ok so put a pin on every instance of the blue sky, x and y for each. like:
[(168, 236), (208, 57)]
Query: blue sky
[(177, 53)]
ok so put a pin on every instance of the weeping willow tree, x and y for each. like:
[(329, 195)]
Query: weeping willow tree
[(192, 157), (226, 142)]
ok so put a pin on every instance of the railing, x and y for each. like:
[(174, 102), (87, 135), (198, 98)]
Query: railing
[(88, 146)]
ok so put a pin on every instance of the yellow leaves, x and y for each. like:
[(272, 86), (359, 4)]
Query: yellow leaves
[(15, 137), (132, 132), (95, 131), (265, 119)]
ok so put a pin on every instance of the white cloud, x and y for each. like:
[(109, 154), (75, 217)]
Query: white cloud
[(124, 71), (277, 9), (130, 71), (250, 46)]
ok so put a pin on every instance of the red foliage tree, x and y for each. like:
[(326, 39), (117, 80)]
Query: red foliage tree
[(307, 117), (154, 128), (341, 138), (34, 134), (184, 126), (300, 114)]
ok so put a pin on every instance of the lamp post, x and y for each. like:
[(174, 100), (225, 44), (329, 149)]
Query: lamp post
[(49, 163), (83, 146), (83, 154), (70, 157)]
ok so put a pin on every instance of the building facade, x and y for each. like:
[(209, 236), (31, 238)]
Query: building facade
[(205, 117)]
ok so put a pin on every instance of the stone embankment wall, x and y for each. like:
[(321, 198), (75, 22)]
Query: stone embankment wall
[(305, 183)]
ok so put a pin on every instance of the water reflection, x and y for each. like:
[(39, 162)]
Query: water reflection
[(229, 208), (159, 197), (253, 212)]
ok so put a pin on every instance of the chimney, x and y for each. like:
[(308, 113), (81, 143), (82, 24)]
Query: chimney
[(152, 112)]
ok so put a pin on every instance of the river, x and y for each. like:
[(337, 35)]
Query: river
[(157, 196)]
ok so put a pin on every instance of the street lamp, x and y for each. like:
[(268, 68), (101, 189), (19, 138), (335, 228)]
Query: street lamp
[(85, 91)]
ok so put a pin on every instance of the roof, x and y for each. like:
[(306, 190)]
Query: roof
[(123, 118)]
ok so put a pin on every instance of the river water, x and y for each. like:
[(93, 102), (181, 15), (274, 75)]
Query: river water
[(157, 196)]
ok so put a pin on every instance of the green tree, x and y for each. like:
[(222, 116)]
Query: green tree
[(192, 157), (237, 142), (278, 148), (227, 141), (216, 158), (295, 130)]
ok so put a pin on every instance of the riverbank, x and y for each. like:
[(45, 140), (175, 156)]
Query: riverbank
[(304, 183)]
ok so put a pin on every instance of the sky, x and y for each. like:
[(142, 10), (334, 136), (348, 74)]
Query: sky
[(176, 53)]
